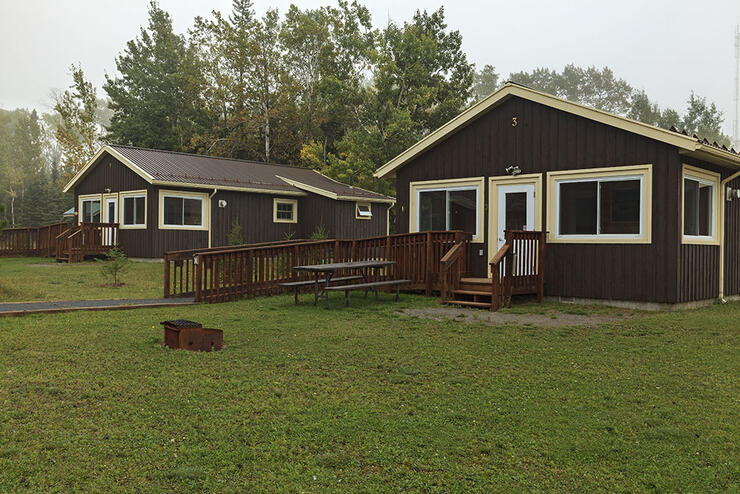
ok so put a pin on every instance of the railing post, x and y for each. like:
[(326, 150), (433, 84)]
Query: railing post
[(541, 267), (495, 288), (429, 281), (198, 278), (166, 276)]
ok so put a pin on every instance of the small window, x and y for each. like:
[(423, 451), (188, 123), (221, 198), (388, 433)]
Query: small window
[(183, 211), (699, 205), (363, 211), (134, 210), (285, 211), (90, 211)]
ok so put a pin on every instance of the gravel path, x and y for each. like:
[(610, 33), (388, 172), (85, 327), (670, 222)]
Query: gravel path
[(20, 308)]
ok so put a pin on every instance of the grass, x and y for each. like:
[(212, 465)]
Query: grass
[(43, 279), (305, 399)]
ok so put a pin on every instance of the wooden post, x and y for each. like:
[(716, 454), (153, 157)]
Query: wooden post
[(166, 276), (495, 291), (429, 281), (541, 267), (198, 277)]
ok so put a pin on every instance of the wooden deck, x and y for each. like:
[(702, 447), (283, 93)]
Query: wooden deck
[(66, 242)]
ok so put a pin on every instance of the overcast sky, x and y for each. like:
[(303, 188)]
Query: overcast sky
[(667, 48)]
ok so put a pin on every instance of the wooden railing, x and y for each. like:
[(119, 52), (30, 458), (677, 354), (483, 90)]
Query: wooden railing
[(218, 275), (86, 239), (453, 265), (33, 241), (518, 267)]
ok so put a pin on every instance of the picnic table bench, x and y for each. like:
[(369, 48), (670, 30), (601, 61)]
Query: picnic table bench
[(367, 287), (324, 275)]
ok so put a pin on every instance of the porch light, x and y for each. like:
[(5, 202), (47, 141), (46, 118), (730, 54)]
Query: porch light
[(513, 170)]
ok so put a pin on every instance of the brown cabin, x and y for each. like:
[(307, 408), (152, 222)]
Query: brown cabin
[(632, 212), (165, 201)]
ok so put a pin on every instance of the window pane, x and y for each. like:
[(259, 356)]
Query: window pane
[(284, 211), (193, 214), (139, 210), (516, 210), (86, 212), (698, 211), (620, 207), (578, 208), (432, 210), (128, 210), (462, 206), (173, 210), (705, 210), (91, 211)]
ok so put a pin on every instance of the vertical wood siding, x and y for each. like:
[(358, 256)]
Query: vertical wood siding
[(732, 243), (545, 140)]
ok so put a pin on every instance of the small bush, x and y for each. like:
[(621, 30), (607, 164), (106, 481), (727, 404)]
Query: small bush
[(319, 233), (236, 237), (114, 264), (289, 235)]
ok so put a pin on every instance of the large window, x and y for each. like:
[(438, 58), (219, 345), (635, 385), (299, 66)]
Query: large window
[(133, 209), (89, 209), (699, 205), (448, 205), (604, 205), (284, 210), (181, 210)]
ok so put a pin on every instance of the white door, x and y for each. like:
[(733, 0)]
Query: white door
[(515, 209), (110, 216)]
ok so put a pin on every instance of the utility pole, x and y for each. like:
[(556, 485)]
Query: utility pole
[(735, 125)]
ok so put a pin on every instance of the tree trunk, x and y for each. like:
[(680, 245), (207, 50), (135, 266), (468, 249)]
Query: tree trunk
[(267, 139)]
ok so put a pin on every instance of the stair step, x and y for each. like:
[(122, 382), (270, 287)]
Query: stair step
[(469, 303), (476, 281), (473, 292)]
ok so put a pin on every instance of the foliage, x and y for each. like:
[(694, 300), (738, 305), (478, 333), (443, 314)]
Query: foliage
[(114, 264), (302, 397), (236, 237), (77, 131), (155, 100), (485, 82), (289, 234), (319, 233)]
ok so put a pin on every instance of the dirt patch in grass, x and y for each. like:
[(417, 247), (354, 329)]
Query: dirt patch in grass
[(549, 319)]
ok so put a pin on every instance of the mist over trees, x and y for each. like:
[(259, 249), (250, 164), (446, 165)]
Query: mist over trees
[(320, 88)]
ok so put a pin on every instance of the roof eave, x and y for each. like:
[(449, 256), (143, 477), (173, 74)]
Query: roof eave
[(106, 149)]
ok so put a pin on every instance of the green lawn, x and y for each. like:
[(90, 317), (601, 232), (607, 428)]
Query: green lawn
[(305, 399), (40, 278)]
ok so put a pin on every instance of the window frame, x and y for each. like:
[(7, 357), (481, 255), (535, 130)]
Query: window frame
[(643, 173), (88, 197), (470, 183), (121, 209), (708, 178), (205, 209), (280, 200), (369, 205)]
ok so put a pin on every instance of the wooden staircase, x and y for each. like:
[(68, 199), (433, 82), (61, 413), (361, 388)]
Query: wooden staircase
[(85, 240), (517, 268)]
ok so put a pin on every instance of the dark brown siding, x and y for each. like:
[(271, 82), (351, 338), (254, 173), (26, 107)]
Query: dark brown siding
[(732, 245), (545, 140), (255, 213)]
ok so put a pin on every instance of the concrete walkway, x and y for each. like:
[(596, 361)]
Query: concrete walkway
[(22, 308)]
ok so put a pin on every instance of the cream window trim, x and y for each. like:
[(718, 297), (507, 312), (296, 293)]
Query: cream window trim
[(705, 177), (88, 197), (361, 214), (493, 185), (205, 210), (121, 209), (479, 183), (642, 172), (294, 205)]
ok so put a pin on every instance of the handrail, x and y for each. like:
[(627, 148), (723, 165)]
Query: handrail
[(451, 269), (500, 277)]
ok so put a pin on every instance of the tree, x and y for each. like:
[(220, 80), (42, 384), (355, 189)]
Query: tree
[(704, 120), (485, 82), (236, 236), (77, 131), (155, 101), (114, 264), (594, 87)]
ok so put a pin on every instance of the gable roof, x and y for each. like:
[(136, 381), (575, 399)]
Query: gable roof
[(702, 150), (199, 171)]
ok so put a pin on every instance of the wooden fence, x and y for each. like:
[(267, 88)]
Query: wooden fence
[(222, 274), (37, 241), (86, 239), (518, 267)]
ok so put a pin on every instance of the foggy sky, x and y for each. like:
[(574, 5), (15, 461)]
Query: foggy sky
[(667, 48)]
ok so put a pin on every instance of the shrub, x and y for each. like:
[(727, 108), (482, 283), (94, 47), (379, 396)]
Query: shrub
[(235, 236), (114, 264), (289, 234), (319, 233)]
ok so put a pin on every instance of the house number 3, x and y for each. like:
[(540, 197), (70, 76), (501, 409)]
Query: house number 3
[(514, 123)]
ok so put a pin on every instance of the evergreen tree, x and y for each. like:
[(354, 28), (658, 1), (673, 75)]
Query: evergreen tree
[(485, 82)]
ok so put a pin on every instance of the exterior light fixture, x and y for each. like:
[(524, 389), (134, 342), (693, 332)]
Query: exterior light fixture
[(221, 203), (513, 170)]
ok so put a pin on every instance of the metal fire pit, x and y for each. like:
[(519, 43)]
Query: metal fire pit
[(190, 335)]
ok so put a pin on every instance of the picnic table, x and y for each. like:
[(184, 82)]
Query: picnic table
[(324, 273)]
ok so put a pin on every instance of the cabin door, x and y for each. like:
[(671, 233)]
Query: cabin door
[(110, 216), (514, 204)]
